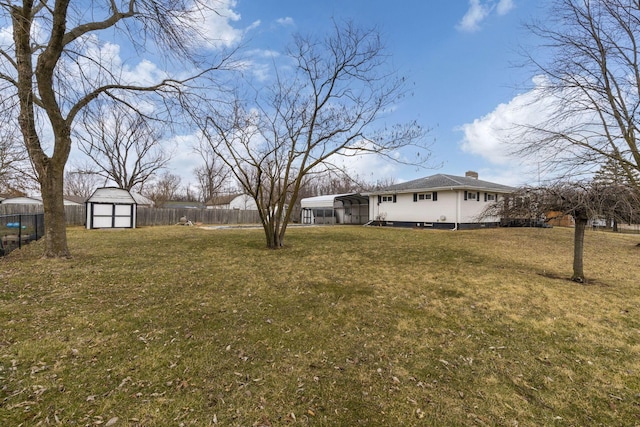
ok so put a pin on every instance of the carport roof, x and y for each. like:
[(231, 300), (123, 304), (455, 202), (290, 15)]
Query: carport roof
[(328, 200), (353, 199)]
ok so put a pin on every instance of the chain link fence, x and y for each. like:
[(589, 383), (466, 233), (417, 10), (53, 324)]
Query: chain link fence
[(19, 229)]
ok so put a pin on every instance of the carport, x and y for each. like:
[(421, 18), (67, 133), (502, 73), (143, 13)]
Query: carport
[(350, 208)]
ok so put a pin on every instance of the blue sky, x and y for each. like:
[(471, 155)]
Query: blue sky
[(461, 57)]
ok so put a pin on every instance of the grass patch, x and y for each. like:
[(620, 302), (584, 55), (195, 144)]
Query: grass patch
[(346, 326)]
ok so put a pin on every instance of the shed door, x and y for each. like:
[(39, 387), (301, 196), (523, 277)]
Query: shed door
[(122, 216), (108, 215)]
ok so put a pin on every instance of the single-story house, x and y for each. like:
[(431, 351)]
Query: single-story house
[(439, 201), (233, 201), (351, 208), (111, 207)]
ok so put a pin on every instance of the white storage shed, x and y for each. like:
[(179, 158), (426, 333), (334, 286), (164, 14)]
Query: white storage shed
[(111, 207)]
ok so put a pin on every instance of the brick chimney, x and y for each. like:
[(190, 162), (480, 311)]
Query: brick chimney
[(471, 174)]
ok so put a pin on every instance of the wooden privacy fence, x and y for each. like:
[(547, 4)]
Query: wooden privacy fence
[(75, 215), (153, 216)]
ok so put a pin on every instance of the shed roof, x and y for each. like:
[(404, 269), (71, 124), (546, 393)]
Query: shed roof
[(444, 182), (111, 195)]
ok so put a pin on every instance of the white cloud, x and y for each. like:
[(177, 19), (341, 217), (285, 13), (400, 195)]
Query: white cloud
[(214, 24), (368, 167), (260, 71), (216, 18), (515, 177), (142, 72), (285, 22), (471, 20), (6, 36), (486, 136), (479, 11), (504, 7), (490, 136), (496, 135), (259, 63), (183, 159)]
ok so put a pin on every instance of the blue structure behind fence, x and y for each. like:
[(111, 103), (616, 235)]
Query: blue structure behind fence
[(19, 229)]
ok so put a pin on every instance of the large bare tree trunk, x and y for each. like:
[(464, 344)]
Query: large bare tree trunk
[(273, 238), (274, 230), (578, 249), (54, 221)]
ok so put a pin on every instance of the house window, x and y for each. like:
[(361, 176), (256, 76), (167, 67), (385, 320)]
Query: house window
[(491, 197), (425, 196), (471, 196), (389, 198)]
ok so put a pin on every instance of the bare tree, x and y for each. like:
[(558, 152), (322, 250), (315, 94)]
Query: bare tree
[(331, 182), (611, 176), (16, 172), (328, 106), (588, 88), (188, 193), (56, 65), (383, 182), (12, 160), (213, 175), (163, 189), (81, 182), (584, 201), (122, 144)]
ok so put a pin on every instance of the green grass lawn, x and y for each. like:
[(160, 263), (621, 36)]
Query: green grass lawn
[(347, 326)]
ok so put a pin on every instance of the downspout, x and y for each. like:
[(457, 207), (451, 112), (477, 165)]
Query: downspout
[(376, 208), (457, 210)]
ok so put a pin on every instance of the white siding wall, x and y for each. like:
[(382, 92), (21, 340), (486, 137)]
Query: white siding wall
[(450, 207), (471, 209)]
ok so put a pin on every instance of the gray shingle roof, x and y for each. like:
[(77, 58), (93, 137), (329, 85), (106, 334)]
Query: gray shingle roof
[(444, 182), (111, 195)]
